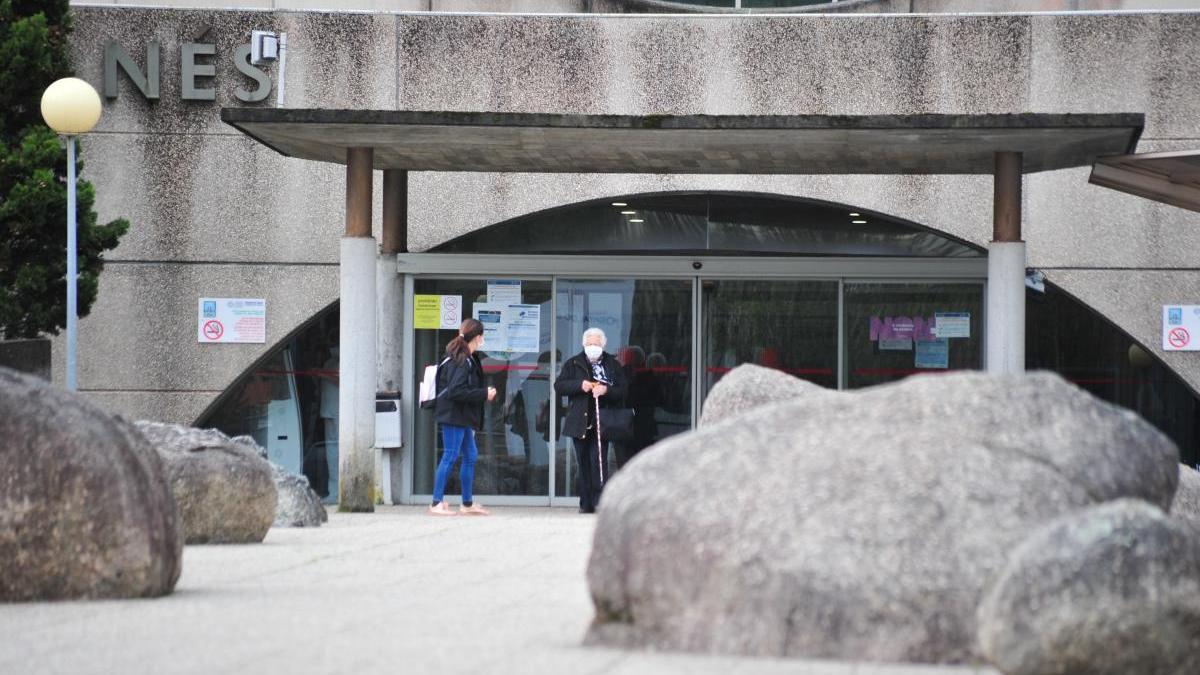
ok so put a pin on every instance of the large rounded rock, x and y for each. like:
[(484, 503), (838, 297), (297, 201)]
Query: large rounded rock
[(858, 526), (85, 507), (749, 387), (225, 491), (1113, 589), (1187, 498), (298, 504)]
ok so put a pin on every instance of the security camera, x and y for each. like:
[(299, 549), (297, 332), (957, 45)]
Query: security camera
[(697, 264)]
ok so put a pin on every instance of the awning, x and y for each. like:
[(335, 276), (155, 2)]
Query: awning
[(696, 144), (1168, 177)]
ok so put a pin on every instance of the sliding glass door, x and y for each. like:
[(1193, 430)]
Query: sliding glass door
[(675, 337), (788, 325), (648, 323), (514, 457)]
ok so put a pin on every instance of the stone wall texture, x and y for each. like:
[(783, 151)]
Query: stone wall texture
[(215, 214)]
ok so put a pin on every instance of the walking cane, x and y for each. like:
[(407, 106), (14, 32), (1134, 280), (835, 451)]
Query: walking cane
[(599, 445)]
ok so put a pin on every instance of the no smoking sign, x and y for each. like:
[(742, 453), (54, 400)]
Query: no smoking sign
[(1179, 324), (213, 330)]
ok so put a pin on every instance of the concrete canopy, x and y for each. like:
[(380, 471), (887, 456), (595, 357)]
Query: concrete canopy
[(1169, 177), (693, 144)]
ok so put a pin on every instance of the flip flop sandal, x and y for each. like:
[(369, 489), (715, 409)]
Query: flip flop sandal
[(474, 510)]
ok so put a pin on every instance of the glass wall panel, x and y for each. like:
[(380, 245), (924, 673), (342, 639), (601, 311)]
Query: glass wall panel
[(514, 457), (289, 404), (897, 329), (648, 324), (787, 325), (710, 224), (1065, 336)]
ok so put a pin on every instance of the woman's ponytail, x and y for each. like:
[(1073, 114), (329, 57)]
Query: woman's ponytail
[(457, 349)]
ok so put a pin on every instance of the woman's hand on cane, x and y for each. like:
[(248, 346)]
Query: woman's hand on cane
[(599, 390)]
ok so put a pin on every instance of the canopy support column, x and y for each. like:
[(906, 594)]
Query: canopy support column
[(356, 370), (1006, 271), (390, 306)]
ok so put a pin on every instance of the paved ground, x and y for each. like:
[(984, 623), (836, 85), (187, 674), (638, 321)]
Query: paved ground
[(395, 591)]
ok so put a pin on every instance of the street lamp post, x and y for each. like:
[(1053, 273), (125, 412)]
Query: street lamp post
[(71, 107)]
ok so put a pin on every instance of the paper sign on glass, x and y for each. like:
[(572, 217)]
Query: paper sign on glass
[(495, 331), (933, 353), (504, 291), (451, 312), (427, 311), (523, 323), (952, 324)]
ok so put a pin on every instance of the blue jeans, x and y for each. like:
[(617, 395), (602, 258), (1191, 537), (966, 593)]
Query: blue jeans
[(456, 439)]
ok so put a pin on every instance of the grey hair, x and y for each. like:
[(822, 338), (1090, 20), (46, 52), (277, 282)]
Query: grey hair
[(595, 331)]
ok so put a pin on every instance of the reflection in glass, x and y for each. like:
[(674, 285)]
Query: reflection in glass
[(514, 444), (288, 404), (890, 330), (1065, 336), (648, 324), (786, 325), (710, 224)]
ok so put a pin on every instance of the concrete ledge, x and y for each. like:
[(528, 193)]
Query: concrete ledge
[(695, 144)]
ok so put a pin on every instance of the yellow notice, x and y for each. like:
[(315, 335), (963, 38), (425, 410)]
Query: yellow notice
[(427, 311)]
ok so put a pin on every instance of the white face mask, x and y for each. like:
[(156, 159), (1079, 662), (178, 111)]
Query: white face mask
[(593, 351)]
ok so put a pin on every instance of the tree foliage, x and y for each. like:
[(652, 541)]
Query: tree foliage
[(33, 179)]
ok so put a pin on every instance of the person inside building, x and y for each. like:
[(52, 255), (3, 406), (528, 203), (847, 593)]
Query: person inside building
[(461, 395), (329, 422), (590, 380), (645, 392)]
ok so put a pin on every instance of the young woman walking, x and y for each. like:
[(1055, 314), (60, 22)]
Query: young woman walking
[(460, 402)]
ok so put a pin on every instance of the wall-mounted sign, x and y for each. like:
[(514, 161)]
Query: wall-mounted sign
[(437, 312), (231, 320), (1181, 328), (197, 70)]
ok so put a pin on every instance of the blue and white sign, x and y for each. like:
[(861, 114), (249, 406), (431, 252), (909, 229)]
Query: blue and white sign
[(504, 291), (952, 324), (225, 320), (1180, 328), (933, 353)]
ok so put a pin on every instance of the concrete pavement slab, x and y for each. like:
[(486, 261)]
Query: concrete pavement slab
[(394, 590)]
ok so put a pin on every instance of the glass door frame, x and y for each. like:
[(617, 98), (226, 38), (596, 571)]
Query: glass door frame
[(683, 268)]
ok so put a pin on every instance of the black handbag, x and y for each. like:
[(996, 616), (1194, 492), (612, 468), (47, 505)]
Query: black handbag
[(616, 424)]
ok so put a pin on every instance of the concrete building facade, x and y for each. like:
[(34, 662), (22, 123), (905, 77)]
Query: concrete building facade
[(216, 215)]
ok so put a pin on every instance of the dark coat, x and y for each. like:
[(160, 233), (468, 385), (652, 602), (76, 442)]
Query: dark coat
[(461, 393), (579, 402)]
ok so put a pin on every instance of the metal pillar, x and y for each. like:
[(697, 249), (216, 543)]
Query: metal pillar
[(390, 306), (356, 367), (391, 286), (1006, 271), (72, 270)]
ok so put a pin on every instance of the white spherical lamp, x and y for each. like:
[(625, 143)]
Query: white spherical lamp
[(71, 106), (1139, 357)]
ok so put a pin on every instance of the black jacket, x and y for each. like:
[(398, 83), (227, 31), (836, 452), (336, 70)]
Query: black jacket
[(579, 402), (461, 393)]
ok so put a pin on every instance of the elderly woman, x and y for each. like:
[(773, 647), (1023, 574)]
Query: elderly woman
[(589, 377)]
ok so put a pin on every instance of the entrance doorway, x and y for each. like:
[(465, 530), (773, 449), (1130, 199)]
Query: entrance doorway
[(677, 325), (686, 286)]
